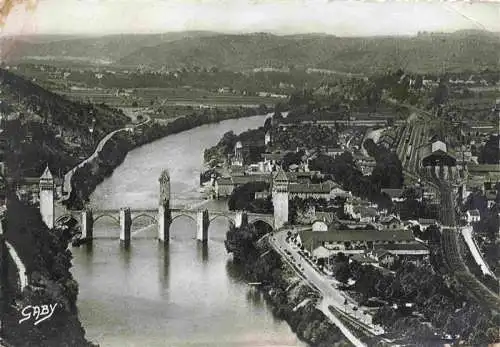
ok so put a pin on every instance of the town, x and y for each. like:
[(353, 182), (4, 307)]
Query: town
[(362, 204)]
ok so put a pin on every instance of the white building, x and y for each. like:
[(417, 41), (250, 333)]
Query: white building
[(473, 216)]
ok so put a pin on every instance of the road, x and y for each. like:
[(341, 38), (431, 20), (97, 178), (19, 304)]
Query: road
[(327, 287), (451, 248), (68, 176), (416, 132), (21, 269), (476, 254)]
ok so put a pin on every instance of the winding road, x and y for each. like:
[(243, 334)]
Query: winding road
[(471, 243), (21, 269), (69, 175)]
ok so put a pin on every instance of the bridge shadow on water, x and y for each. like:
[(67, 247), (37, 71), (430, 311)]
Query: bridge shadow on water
[(164, 267), (202, 251)]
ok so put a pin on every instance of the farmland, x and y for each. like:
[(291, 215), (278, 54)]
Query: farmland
[(143, 97)]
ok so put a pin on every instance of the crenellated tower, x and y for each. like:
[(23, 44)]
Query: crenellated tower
[(47, 197), (280, 198)]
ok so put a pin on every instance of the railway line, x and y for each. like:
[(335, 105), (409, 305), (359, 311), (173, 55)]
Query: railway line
[(439, 179), (450, 243)]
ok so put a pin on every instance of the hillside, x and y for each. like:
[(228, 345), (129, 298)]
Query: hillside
[(91, 49), (41, 127), (428, 53), (469, 50), (48, 262)]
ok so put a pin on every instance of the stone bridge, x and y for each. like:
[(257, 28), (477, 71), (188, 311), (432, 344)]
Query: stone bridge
[(163, 217)]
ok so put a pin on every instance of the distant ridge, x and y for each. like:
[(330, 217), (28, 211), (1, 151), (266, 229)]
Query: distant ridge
[(471, 50)]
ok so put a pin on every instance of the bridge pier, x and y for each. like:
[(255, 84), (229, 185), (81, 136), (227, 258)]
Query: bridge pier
[(87, 224), (240, 219), (164, 220), (203, 221), (125, 226)]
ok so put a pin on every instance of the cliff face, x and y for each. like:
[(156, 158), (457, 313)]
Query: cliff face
[(48, 261)]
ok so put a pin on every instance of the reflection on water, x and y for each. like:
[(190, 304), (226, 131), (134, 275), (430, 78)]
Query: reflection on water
[(125, 255), (164, 269), (255, 296), (180, 294), (202, 252)]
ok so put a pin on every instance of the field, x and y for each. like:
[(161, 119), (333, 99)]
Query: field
[(142, 97)]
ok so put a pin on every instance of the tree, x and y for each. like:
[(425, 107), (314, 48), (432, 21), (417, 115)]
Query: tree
[(491, 151), (441, 93), (343, 272)]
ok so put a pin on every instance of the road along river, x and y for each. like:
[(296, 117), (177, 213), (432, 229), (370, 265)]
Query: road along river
[(186, 294)]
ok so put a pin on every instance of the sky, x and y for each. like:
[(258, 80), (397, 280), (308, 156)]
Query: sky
[(337, 17)]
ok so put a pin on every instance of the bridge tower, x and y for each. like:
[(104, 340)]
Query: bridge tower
[(280, 198), (125, 226), (87, 224), (203, 221), (164, 214), (47, 198)]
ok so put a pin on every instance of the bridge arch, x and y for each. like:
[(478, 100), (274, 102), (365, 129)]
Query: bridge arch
[(145, 215), (63, 217), (261, 220), (183, 215), (229, 218), (117, 220)]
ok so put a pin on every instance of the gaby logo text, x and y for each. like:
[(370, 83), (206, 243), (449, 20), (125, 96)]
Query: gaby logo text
[(38, 312)]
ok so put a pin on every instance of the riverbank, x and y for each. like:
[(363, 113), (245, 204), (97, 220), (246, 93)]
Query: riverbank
[(113, 153), (290, 298)]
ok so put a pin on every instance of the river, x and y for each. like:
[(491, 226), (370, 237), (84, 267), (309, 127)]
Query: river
[(182, 295)]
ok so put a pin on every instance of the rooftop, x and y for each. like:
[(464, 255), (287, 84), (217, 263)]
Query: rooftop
[(280, 176), (427, 221), (239, 180), (366, 211), (47, 175), (393, 193), (311, 188), (389, 219), (274, 156), (314, 238)]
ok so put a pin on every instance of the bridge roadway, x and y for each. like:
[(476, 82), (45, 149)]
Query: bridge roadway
[(176, 211), (125, 218)]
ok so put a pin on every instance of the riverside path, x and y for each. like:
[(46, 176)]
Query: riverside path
[(69, 175)]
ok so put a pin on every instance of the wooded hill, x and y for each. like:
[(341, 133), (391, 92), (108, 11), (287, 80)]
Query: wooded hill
[(429, 52), (41, 127)]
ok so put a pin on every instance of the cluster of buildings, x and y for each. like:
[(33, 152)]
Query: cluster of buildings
[(29, 189), (354, 227), (378, 243)]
